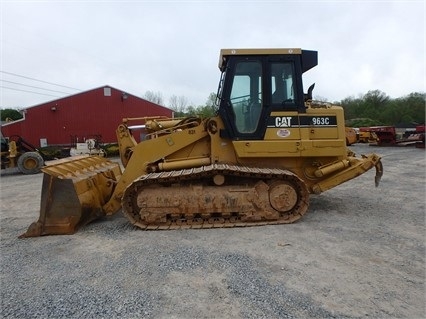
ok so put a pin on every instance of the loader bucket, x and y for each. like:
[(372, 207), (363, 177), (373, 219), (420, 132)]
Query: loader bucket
[(73, 193)]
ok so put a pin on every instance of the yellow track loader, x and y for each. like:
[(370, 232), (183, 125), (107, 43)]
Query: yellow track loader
[(254, 163)]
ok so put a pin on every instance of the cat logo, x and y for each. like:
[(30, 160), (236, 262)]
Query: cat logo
[(284, 121)]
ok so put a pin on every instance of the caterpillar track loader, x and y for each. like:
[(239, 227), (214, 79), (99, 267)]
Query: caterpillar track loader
[(254, 163)]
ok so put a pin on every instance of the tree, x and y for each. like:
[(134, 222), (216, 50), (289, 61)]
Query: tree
[(211, 107), (411, 109), (351, 106), (178, 104), (11, 114), (375, 103), (376, 97), (154, 97)]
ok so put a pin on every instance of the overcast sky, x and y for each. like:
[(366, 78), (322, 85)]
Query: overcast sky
[(172, 47)]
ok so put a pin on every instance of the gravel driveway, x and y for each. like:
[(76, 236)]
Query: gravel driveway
[(358, 252)]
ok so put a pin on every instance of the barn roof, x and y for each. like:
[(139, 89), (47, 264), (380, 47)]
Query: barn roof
[(94, 89)]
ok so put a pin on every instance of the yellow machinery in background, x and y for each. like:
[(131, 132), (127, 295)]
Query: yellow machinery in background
[(351, 136), (18, 153)]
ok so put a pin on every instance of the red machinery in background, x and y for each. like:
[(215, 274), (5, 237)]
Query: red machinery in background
[(387, 136)]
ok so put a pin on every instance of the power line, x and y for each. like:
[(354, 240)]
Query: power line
[(26, 77), (5, 87), (34, 87)]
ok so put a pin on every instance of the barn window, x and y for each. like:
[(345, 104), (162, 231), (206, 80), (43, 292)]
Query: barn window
[(107, 91)]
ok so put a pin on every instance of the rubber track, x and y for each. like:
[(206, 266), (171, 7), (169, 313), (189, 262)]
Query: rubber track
[(131, 211)]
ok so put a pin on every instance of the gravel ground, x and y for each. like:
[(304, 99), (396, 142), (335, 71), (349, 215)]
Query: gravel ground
[(358, 252)]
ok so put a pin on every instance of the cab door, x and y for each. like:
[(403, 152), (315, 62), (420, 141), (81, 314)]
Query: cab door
[(242, 107)]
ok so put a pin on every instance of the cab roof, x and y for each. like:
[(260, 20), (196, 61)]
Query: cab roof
[(309, 58)]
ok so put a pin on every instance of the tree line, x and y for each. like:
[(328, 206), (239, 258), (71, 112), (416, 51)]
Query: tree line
[(371, 109), (376, 108), (181, 105)]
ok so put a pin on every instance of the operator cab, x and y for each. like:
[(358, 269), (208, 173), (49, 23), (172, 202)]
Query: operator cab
[(256, 82)]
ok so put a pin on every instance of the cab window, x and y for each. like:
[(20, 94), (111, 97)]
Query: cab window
[(282, 83), (246, 95)]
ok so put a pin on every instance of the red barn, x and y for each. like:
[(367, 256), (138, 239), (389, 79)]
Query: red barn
[(83, 115)]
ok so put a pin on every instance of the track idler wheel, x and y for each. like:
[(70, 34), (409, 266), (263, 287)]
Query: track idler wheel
[(282, 196)]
